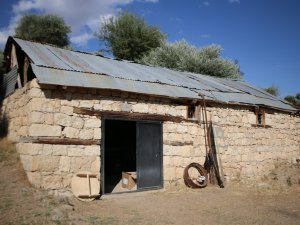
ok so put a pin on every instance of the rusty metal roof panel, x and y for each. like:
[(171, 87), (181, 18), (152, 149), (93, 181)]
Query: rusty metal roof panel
[(78, 79), (244, 87), (244, 98)]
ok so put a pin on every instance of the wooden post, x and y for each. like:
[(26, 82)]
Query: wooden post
[(25, 70), (13, 58), (14, 62)]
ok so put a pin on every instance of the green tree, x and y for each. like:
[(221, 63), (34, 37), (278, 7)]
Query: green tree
[(273, 90), (295, 100), (49, 29), (184, 57), (129, 37)]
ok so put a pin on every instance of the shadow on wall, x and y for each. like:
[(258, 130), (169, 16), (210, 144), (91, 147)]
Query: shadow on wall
[(3, 126), (3, 117)]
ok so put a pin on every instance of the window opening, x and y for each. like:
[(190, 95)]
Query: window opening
[(260, 118), (191, 111)]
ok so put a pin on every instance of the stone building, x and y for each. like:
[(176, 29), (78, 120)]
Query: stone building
[(70, 111)]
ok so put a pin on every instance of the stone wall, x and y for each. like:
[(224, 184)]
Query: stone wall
[(250, 153), (247, 152)]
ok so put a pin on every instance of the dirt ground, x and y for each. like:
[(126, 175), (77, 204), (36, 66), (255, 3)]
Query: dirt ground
[(22, 204)]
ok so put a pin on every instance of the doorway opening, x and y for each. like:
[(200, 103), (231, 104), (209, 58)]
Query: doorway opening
[(120, 153), (131, 157)]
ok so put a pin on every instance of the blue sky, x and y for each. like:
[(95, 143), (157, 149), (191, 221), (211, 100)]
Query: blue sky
[(263, 35)]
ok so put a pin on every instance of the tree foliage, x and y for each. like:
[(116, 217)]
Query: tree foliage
[(129, 37), (295, 100), (49, 29), (184, 57), (273, 90)]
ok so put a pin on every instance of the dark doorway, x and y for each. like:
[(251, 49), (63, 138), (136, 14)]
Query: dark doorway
[(120, 151), (131, 146)]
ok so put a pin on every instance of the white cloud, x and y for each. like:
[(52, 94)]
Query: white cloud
[(83, 16), (81, 39), (233, 1)]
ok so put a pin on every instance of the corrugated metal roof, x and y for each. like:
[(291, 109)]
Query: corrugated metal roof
[(8, 82), (53, 65), (78, 79)]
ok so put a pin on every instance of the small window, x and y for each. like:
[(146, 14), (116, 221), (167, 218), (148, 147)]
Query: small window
[(261, 118), (191, 111)]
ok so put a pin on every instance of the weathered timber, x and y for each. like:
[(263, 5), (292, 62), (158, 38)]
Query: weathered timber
[(14, 62), (131, 115), (25, 69), (61, 141), (178, 143)]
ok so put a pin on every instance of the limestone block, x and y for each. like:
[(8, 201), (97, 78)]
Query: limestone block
[(186, 150), (92, 123), (36, 117), (47, 150), (167, 150), (62, 119), (193, 130), (42, 130), (66, 110), (82, 163), (172, 111), (27, 148), (178, 161), (96, 165), (60, 150), (86, 134), (75, 151), (71, 132), (168, 161), (160, 110), (77, 122), (116, 106), (35, 92), (92, 150), (24, 120), (97, 133), (49, 118), (97, 106), (86, 104), (45, 163), (51, 105), (36, 104), (140, 107), (186, 138), (23, 131), (169, 173), (179, 172), (65, 164), (72, 103), (125, 107)]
